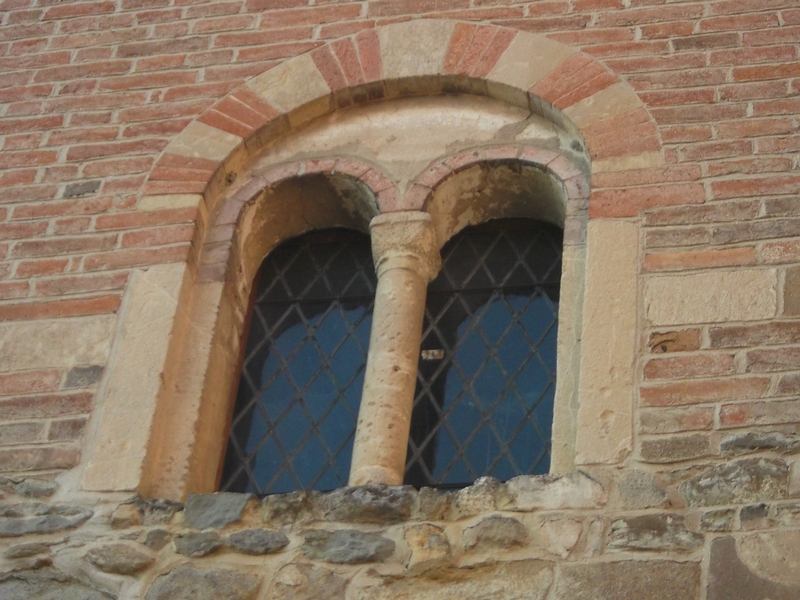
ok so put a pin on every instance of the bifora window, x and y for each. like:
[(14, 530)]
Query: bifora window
[(486, 380)]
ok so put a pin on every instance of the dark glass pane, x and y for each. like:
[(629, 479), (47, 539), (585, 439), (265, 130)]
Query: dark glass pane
[(484, 400), (296, 408)]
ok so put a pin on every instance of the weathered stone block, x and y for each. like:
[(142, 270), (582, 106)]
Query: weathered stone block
[(755, 441), (629, 580), (126, 515), (189, 583), (198, 543), (740, 482), (368, 504), (517, 580), (638, 489), (495, 532), (26, 550), (768, 572), (711, 297), (157, 538), (34, 517), (36, 488), (285, 509), (304, 582), (347, 546), (717, 520), (256, 541), (46, 584), (575, 490), (121, 559), (433, 505), (675, 449), (478, 498), (203, 511), (429, 547), (662, 531)]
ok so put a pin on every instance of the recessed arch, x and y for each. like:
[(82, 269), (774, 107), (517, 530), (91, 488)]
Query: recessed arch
[(206, 163)]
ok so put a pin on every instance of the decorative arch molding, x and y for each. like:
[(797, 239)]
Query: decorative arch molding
[(189, 364), (424, 57)]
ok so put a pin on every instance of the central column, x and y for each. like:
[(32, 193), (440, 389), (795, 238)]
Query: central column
[(406, 257)]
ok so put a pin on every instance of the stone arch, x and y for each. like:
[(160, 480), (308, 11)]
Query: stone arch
[(424, 57), (420, 58)]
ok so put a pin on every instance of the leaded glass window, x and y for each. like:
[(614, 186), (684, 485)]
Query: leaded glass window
[(303, 368), (486, 382)]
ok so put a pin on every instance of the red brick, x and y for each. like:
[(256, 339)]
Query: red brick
[(786, 106), (158, 236), (164, 110), (72, 225), (149, 218), (614, 179), (675, 420), (39, 458), (54, 209), (258, 38), (775, 184), (712, 150), (274, 51), (749, 56), (317, 15), (750, 91), (759, 413), (228, 23), (21, 433), (337, 30), (66, 430), (347, 56), (34, 268), (678, 79), (60, 308), (117, 166), (80, 284), (780, 252), (742, 336), (89, 151), (329, 67), (667, 31), (54, 247), (370, 55), (136, 257), (390, 8), (763, 72), (29, 382), (685, 133), (739, 23), (76, 10), (592, 36), (13, 231), (628, 202), (636, 48), (726, 7), (641, 16), (14, 289), (459, 41), (690, 366), (27, 159), (749, 166), (773, 359), (677, 97), (699, 113), (705, 391), (676, 261), (216, 119), (177, 174), (779, 145)]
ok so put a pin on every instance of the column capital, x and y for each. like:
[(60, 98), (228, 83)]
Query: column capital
[(405, 240)]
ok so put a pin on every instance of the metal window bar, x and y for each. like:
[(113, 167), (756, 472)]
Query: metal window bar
[(297, 404), (496, 296)]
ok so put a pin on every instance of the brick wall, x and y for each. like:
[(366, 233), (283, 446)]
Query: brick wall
[(92, 92)]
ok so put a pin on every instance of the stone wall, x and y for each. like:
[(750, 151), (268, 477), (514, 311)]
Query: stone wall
[(689, 470), (720, 532)]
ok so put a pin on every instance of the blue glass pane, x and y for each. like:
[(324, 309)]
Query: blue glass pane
[(298, 399), (485, 407)]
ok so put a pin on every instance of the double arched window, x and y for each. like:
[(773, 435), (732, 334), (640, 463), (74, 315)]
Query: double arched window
[(486, 379)]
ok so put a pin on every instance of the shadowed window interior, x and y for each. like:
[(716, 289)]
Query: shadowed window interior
[(486, 381), (303, 369)]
